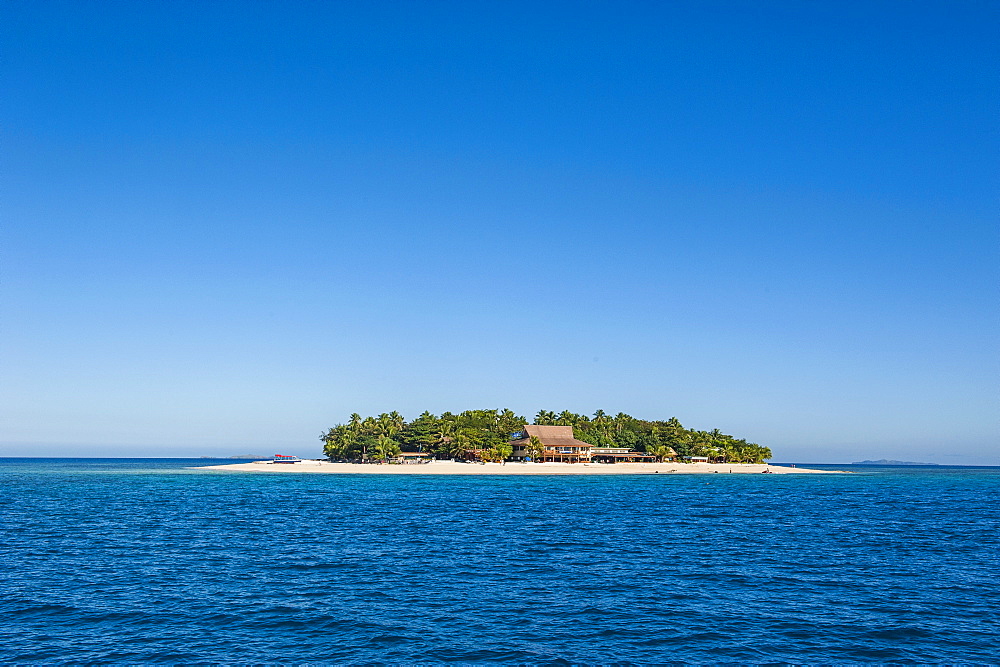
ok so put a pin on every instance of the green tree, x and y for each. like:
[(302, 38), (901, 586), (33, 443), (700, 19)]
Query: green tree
[(489, 431), (627, 439), (567, 418), (674, 435), (661, 452), (386, 448), (420, 434), (368, 443), (535, 449), (545, 418), (760, 454), (499, 452), (622, 421), (444, 437), (461, 444)]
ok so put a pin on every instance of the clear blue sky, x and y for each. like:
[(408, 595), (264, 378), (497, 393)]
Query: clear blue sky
[(227, 226)]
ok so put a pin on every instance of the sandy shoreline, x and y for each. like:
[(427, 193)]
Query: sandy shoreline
[(453, 468)]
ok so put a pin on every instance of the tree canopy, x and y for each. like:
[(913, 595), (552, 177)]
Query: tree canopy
[(486, 434)]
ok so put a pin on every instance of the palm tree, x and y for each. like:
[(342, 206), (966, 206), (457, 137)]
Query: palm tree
[(445, 435), (460, 444), (503, 451), (662, 452), (545, 418), (740, 451), (728, 452), (389, 425), (699, 443), (397, 420), (621, 421), (760, 454), (386, 447), (508, 422), (329, 439), (535, 448)]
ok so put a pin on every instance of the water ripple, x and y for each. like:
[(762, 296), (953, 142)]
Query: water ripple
[(120, 563)]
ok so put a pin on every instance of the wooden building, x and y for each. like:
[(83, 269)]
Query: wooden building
[(558, 444), (413, 457), (619, 455)]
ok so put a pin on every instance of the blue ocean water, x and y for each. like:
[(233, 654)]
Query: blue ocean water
[(146, 561)]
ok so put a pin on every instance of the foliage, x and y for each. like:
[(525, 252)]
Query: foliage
[(663, 439), (486, 434), (535, 448)]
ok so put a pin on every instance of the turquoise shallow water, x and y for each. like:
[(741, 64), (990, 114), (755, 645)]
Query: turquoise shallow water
[(139, 560)]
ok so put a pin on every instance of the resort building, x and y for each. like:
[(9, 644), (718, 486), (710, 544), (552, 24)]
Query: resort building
[(413, 457), (619, 455), (558, 444)]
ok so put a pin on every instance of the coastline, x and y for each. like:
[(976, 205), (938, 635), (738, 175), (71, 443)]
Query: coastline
[(454, 468)]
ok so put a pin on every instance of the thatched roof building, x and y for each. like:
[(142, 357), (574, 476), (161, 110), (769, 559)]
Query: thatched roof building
[(557, 441)]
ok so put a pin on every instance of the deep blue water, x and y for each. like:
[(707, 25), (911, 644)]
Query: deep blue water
[(139, 560)]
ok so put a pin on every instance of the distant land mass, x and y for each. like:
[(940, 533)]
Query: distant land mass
[(240, 456), (887, 462)]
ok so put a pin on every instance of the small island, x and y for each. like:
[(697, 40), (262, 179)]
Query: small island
[(502, 435), (888, 462), (503, 442)]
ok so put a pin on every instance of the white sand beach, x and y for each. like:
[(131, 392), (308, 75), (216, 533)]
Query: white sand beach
[(457, 468)]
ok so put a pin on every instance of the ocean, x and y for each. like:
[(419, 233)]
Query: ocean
[(148, 561)]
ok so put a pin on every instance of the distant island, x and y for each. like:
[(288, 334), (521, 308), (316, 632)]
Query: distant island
[(240, 456), (501, 435), (888, 462)]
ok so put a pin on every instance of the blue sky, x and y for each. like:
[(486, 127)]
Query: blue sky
[(227, 226)]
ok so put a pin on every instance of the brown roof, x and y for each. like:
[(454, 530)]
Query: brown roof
[(551, 436)]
